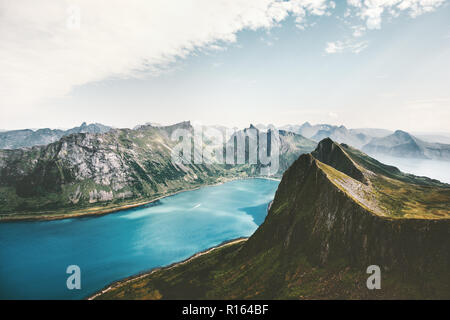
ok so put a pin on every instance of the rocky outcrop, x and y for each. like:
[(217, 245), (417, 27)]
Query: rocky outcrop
[(90, 169), (317, 242), (312, 216), (87, 169), (332, 154)]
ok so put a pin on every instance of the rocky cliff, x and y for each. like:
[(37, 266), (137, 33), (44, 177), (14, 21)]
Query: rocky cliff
[(103, 171), (314, 216), (85, 170), (323, 229)]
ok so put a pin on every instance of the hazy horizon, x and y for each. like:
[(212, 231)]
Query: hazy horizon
[(230, 127)]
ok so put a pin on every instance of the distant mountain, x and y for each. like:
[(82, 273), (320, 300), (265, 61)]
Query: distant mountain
[(372, 132), (264, 127), (355, 138), (436, 138), (403, 144), (27, 138), (336, 212), (306, 129), (342, 135), (291, 146), (374, 140)]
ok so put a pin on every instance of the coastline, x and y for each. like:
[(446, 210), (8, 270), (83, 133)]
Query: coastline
[(119, 283), (105, 211)]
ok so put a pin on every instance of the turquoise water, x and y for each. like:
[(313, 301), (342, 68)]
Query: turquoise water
[(34, 255)]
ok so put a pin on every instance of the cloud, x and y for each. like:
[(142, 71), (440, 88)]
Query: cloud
[(344, 46), (372, 10), (358, 31), (46, 50)]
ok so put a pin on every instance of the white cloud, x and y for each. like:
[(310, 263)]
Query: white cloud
[(372, 10), (355, 3), (44, 53), (344, 46), (358, 31), (334, 47)]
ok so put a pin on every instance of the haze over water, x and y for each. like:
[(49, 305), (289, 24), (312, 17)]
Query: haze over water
[(434, 169), (34, 255)]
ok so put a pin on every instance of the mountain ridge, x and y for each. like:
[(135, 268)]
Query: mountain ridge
[(315, 243), (86, 172), (14, 139), (403, 144)]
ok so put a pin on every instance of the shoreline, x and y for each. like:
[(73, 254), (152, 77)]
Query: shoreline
[(119, 283), (105, 211)]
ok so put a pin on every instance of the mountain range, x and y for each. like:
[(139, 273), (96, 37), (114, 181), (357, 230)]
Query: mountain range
[(375, 141), (403, 144), (372, 140), (91, 173), (336, 212), (27, 138)]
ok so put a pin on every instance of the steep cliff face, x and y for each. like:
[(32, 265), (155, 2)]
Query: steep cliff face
[(323, 229), (313, 216), (289, 147), (122, 166), (82, 170), (332, 154)]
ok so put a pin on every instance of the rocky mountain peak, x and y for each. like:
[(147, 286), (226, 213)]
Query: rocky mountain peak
[(402, 134), (331, 153)]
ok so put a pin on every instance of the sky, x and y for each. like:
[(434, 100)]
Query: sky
[(360, 63)]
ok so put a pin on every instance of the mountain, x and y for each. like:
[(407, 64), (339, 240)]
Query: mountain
[(336, 212), (439, 137), (355, 138), (87, 173), (403, 144), (306, 129), (342, 135), (291, 146), (27, 138), (97, 171), (372, 132)]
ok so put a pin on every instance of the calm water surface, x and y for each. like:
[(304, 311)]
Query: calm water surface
[(34, 255)]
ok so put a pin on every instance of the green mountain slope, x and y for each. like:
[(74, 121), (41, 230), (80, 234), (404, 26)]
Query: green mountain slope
[(87, 173), (97, 170), (323, 229)]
